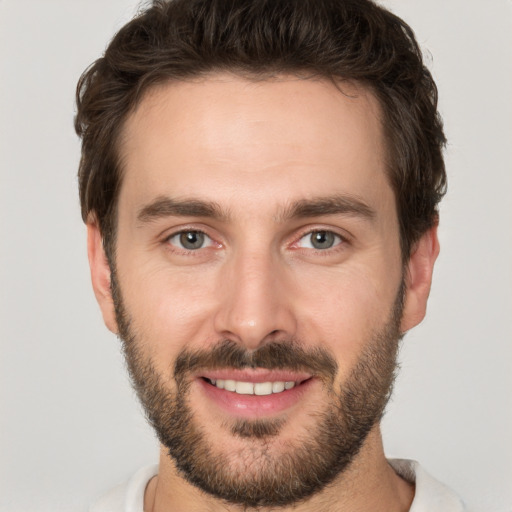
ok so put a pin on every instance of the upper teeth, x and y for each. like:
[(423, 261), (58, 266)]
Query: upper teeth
[(251, 388)]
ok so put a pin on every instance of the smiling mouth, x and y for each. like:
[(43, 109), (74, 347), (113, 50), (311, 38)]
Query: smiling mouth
[(255, 394), (253, 388)]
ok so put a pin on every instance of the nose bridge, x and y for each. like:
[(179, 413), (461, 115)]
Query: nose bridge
[(254, 305)]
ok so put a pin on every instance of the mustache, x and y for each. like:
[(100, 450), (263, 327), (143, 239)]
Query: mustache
[(282, 355)]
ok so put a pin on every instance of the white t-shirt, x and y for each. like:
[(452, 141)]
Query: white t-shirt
[(430, 495)]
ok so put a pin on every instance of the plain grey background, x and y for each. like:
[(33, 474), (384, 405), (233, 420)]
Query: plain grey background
[(70, 427)]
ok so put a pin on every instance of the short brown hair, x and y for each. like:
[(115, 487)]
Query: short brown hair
[(335, 39)]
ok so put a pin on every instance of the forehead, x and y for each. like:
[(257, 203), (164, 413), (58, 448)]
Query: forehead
[(275, 140)]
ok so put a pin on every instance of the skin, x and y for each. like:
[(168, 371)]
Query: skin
[(255, 148)]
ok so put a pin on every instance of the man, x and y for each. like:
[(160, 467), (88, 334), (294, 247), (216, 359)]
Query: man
[(260, 183)]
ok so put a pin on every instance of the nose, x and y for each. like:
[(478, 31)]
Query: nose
[(255, 302)]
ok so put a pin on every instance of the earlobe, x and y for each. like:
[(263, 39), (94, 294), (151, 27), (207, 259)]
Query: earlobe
[(418, 279), (100, 274)]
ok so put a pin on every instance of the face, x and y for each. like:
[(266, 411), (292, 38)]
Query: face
[(258, 279)]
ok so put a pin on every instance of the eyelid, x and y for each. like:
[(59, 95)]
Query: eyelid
[(189, 229), (307, 231), (343, 238)]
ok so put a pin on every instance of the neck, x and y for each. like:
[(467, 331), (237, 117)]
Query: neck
[(369, 483)]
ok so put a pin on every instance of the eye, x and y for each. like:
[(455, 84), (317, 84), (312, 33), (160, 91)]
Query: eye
[(320, 240), (190, 240)]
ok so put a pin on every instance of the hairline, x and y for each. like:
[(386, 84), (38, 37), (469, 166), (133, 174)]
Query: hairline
[(143, 92)]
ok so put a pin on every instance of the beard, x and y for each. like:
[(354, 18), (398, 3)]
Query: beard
[(263, 473)]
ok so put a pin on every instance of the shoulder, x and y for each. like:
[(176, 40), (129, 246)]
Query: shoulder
[(127, 497), (429, 494)]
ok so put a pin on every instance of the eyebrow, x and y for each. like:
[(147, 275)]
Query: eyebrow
[(163, 207), (329, 205)]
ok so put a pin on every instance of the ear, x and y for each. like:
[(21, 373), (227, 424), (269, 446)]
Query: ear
[(418, 279), (100, 275)]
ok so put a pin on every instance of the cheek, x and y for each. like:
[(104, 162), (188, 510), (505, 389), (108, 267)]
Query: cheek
[(169, 310), (342, 310)]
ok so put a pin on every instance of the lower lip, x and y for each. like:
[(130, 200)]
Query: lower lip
[(254, 406)]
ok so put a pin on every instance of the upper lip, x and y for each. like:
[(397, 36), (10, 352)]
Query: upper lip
[(255, 375)]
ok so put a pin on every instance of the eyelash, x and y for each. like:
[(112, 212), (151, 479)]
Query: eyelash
[(167, 240), (341, 244)]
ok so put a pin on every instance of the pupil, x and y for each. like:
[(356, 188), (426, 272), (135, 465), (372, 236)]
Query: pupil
[(192, 239), (322, 240)]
